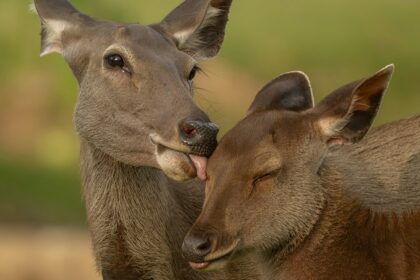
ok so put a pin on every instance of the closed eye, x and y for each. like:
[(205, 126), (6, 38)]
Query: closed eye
[(266, 176)]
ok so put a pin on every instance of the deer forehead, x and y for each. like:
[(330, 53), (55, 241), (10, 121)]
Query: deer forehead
[(270, 128), (137, 38), (261, 142)]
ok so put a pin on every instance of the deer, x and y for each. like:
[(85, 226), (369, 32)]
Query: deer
[(285, 186), (143, 140), (393, 168)]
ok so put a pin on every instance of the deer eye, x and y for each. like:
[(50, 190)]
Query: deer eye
[(267, 176), (193, 73), (115, 60)]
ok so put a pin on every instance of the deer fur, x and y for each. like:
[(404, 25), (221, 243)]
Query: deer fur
[(134, 104), (282, 187), (391, 153)]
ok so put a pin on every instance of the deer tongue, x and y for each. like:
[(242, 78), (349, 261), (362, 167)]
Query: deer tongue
[(200, 164)]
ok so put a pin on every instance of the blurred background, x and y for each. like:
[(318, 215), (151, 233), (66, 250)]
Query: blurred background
[(42, 222)]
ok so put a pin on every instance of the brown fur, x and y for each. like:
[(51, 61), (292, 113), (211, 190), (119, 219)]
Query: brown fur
[(282, 188), (391, 153), (128, 119)]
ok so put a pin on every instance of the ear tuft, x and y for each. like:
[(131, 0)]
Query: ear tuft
[(198, 26), (290, 91), (346, 115), (206, 41), (51, 41), (56, 17), (183, 36)]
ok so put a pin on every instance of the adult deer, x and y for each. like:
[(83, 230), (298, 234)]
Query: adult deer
[(280, 188), (135, 117)]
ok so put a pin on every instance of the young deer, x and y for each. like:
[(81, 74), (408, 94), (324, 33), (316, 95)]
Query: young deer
[(391, 153), (280, 188), (135, 117)]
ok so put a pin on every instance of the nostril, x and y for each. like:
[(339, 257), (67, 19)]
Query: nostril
[(201, 137), (189, 130), (204, 247), (196, 247)]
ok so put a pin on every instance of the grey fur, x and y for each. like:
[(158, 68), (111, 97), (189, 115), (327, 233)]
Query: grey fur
[(128, 118)]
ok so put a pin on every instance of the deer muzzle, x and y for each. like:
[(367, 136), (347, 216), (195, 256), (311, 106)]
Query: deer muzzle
[(200, 136)]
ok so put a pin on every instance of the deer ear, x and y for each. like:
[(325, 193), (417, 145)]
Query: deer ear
[(198, 26), (346, 115), (58, 18), (291, 92)]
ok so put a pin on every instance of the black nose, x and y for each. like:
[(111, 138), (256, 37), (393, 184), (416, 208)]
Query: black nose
[(196, 246), (200, 136)]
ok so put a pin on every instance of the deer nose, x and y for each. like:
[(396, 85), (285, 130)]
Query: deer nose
[(196, 246), (200, 136)]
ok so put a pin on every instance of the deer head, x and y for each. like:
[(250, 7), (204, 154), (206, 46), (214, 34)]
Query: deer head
[(135, 101), (263, 191)]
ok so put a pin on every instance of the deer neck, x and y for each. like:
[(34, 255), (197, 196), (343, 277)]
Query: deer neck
[(132, 213), (349, 230), (328, 237), (117, 181)]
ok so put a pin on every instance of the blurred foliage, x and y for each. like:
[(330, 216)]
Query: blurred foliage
[(334, 42), (38, 194)]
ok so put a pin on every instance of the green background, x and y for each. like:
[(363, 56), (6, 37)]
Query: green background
[(334, 42)]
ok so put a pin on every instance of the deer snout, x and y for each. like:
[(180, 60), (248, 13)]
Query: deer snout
[(200, 136), (196, 246)]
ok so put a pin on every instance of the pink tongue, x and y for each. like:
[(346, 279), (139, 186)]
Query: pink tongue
[(200, 164)]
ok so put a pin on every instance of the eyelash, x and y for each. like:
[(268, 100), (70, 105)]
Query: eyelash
[(260, 178), (193, 73)]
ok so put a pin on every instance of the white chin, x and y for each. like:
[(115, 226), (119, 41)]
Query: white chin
[(176, 165)]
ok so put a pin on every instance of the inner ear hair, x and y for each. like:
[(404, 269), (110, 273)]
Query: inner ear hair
[(187, 38), (197, 26), (346, 115), (206, 40), (57, 17), (51, 37)]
